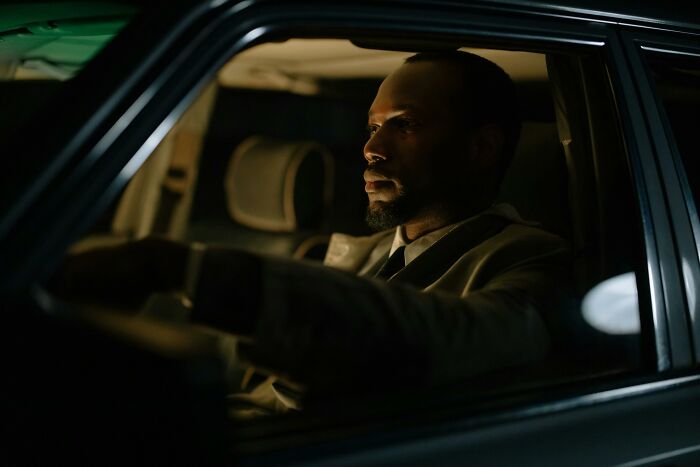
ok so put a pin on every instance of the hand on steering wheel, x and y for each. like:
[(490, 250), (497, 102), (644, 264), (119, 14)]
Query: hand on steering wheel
[(122, 276)]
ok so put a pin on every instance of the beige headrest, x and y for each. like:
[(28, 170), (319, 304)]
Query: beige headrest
[(279, 186)]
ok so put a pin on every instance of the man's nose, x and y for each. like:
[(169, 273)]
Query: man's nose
[(375, 148)]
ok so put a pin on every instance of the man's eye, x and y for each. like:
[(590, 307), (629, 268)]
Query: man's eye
[(372, 129), (406, 124)]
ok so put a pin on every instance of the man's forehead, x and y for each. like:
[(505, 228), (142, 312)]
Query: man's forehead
[(417, 86), (391, 107)]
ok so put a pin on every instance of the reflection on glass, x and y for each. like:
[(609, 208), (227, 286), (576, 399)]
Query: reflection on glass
[(612, 306), (690, 287)]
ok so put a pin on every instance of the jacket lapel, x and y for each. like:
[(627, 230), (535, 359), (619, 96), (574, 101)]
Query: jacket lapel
[(433, 262)]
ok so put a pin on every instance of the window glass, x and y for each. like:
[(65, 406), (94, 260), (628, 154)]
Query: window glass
[(45, 44), (537, 283), (678, 83)]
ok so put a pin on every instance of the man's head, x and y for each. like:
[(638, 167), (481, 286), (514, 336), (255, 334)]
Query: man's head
[(443, 129)]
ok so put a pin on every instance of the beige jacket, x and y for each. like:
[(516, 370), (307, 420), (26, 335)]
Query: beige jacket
[(479, 298)]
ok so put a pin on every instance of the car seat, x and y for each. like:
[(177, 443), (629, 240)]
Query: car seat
[(278, 194), (536, 182)]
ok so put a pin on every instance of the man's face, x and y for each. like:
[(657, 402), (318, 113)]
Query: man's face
[(418, 151)]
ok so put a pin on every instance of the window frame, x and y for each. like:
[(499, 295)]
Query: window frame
[(671, 328), (682, 205)]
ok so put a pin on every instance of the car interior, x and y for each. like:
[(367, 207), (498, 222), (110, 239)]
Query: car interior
[(268, 158), (271, 154)]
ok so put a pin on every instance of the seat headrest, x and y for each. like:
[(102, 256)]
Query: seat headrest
[(279, 186)]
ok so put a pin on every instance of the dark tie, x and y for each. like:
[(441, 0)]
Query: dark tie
[(393, 264)]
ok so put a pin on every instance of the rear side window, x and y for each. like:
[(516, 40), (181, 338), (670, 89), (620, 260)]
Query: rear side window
[(678, 83)]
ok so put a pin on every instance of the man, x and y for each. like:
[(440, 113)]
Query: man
[(471, 287)]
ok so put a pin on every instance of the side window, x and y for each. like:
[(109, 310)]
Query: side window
[(608, 266), (678, 83), (37, 55), (544, 284)]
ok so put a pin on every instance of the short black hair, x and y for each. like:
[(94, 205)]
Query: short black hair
[(491, 96)]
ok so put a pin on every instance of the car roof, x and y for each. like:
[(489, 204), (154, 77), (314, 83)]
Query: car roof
[(640, 11)]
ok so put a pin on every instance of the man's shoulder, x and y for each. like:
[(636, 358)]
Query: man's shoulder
[(519, 241), (529, 233), (517, 230), (502, 233)]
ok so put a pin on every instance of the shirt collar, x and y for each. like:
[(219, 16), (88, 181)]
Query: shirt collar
[(418, 246)]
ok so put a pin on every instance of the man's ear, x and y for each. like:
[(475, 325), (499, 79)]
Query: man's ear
[(488, 141)]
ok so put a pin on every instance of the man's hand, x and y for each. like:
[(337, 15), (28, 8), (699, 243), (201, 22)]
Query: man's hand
[(124, 275)]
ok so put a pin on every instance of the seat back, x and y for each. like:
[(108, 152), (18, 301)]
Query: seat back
[(536, 182), (277, 193)]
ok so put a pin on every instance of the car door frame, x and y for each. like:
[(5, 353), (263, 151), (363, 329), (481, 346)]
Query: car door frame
[(682, 206)]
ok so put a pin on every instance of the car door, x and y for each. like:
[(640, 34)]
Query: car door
[(640, 417)]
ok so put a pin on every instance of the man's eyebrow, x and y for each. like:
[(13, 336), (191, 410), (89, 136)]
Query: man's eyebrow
[(398, 108)]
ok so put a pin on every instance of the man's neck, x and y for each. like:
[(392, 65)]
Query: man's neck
[(435, 219), (415, 229)]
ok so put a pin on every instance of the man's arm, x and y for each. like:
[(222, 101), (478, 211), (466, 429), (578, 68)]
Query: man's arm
[(332, 330)]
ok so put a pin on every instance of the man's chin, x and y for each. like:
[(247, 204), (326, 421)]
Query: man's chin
[(382, 215)]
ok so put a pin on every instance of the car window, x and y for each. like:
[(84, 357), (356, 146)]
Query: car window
[(678, 82), (269, 160), (42, 45)]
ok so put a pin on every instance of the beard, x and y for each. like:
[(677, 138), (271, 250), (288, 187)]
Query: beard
[(382, 215)]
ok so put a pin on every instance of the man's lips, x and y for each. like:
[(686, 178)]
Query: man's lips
[(376, 182)]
